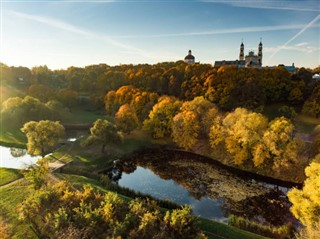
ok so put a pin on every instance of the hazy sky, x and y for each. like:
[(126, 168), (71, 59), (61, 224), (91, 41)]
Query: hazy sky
[(60, 34)]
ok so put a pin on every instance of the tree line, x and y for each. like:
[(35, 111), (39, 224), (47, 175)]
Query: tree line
[(227, 87)]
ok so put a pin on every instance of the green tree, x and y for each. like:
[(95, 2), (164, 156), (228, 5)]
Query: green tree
[(58, 211), (161, 117), (36, 174), (41, 135), (57, 110), (42, 74), (311, 107), (111, 105), (295, 96), (15, 111), (316, 140), (68, 97), (126, 119), (103, 132), (182, 224), (306, 202), (41, 92), (287, 112)]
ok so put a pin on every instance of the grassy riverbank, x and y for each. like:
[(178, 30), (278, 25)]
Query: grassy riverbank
[(12, 137), (11, 196), (8, 175)]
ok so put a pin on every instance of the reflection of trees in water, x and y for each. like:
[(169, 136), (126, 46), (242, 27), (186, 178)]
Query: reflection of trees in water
[(16, 152), (122, 167), (271, 208), (240, 196)]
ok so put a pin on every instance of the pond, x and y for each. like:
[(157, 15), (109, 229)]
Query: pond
[(212, 191), (16, 158)]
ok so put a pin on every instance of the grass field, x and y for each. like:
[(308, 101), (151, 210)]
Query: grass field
[(10, 198), (303, 123), (12, 137), (91, 157), (8, 175), (217, 230), (306, 124), (80, 116)]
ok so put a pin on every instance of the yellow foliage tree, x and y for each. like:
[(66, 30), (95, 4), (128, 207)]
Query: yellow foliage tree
[(126, 119), (277, 145), (306, 202), (185, 129), (244, 130), (42, 134)]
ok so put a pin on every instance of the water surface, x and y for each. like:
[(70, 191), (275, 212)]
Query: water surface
[(212, 192), (16, 158)]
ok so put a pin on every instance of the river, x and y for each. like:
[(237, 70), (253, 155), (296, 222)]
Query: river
[(18, 158), (212, 191), (15, 158)]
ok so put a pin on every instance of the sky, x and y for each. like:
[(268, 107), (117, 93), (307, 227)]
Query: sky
[(61, 34)]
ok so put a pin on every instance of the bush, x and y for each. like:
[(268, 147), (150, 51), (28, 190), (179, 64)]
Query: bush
[(287, 112)]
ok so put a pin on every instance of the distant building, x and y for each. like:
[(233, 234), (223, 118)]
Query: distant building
[(237, 63), (250, 60), (316, 76), (291, 68), (189, 59)]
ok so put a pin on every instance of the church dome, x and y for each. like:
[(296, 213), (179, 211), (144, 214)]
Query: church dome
[(189, 56)]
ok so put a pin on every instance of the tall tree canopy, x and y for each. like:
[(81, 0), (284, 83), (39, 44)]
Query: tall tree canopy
[(278, 147), (103, 132), (126, 118), (185, 129), (306, 202), (161, 116), (240, 131), (193, 122), (42, 134)]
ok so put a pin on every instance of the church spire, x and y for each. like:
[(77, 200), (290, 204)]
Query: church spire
[(260, 52), (241, 55)]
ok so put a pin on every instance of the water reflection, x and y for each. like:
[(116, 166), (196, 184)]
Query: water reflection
[(16, 158), (16, 152), (212, 192)]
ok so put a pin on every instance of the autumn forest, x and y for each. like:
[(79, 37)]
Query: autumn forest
[(261, 122)]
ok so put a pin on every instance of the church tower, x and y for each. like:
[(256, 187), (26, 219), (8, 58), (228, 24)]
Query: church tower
[(241, 55), (260, 53)]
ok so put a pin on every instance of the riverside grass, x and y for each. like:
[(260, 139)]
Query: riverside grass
[(281, 232), (8, 175)]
